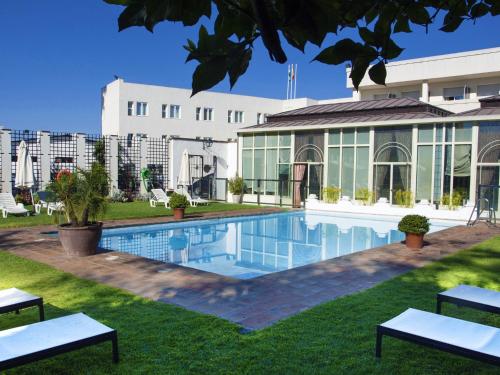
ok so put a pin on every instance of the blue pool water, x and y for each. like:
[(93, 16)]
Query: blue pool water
[(252, 246)]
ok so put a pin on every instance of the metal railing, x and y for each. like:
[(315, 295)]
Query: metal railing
[(486, 201)]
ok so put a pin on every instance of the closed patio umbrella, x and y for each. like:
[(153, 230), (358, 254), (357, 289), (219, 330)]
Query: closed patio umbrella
[(24, 169), (184, 176)]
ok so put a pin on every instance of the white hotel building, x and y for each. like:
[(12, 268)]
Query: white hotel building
[(438, 87)]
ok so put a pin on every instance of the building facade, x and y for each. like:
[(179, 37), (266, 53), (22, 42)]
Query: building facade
[(454, 82), (389, 147)]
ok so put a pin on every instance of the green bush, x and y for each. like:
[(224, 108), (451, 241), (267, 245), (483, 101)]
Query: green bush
[(331, 194), (236, 185), (178, 201), (453, 201), (404, 198), (364, 195), (414, 224)]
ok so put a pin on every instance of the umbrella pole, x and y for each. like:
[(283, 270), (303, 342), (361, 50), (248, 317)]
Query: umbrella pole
[(32, 200)]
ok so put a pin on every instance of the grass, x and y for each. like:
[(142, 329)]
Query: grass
[(337, 337), (118, 211)]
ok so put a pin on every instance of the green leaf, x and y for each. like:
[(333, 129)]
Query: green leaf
[(378, 73), (452, 24), (208, 74), (402, 25), (358, 71), (343, 50), (391, 50), (239, 66), (418, 13), (367, 35)]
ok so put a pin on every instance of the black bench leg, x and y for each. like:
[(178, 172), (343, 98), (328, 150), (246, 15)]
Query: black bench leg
[(114, 342), (378, 345), (41, 311), (438, 306)]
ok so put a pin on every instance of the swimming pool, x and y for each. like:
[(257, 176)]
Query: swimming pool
[(252, 246)]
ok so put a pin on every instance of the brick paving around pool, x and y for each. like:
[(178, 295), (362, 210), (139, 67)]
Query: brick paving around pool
[(255, 303)]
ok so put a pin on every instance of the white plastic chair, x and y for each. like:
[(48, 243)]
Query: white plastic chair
[(159, 196), (193, 202), (8, 206)]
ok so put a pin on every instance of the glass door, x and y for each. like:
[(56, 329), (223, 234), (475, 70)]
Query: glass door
[(382, 181), (315, 177), (400, 178), (389, 178)]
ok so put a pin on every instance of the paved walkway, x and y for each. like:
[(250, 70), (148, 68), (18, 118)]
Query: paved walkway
[(256, 303)]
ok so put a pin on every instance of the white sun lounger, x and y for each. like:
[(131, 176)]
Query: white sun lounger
[(8, 206), (451, 335), (193, 202), (14, 300), (471, 296), (159, 196), (33, 342)]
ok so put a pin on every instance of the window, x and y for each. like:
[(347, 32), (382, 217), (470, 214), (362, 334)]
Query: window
[(238, 117), (348, 159), (130, 108), (454, 93), (260, 118), (411, 94), (267, 156), (141, 109), (175, 111), (488, 90), (385, 96), (170, 111), (235, 117), (208, 114), (198, 113)]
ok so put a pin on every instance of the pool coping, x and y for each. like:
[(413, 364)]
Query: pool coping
[(254, 303)]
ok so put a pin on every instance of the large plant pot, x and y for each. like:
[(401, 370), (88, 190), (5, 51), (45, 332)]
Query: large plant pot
[(236, 198), (179, 213), (414, 240), (80, 241)]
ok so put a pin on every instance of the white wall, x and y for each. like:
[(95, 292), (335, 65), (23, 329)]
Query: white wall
[(471, 64), (226, 153), (115, 119)]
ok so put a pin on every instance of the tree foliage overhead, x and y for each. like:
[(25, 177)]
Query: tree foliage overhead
[(239, 23)]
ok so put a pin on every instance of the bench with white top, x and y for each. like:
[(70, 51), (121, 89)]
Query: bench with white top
[(14, 299), (33, 342), (451, 335), (470, 296)]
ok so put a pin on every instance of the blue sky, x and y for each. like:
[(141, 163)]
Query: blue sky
[(56, 57)]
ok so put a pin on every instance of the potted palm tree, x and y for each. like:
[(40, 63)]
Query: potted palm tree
[(236, 187), (415, 227), (178, 203), (83, 194)]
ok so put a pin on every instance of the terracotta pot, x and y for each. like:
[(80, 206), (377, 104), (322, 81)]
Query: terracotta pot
[(179, 213), (414, 240), (80, 241)]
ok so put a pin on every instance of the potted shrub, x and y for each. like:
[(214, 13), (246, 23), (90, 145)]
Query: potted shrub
[(415, 227), (236, 187), (83, 194), (331, 194), (178, 203)]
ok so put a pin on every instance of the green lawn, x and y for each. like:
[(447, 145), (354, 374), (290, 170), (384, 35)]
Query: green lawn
[(117, 211), (334, 338)]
